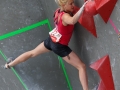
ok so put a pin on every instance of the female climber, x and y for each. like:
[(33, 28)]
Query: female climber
[(58, 40)]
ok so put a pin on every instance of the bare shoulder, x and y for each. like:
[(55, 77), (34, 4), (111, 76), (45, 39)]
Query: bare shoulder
[(65, 15), (67, 19)]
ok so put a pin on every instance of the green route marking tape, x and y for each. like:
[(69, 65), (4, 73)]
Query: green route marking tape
[(64, 70), (22, 30)]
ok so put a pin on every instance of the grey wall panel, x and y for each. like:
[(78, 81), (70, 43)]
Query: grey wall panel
[(49, 7), (19, 14)]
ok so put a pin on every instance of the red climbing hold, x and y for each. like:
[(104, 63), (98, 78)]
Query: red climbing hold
[(87, 21), (103, 67), (90, 8), (105, 8)]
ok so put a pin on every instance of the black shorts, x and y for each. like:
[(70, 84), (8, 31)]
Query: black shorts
[(57, 48)]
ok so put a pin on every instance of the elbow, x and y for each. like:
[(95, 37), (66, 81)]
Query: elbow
[(73, 22)]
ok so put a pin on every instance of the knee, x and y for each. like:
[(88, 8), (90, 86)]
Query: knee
[(32, 53), (81, 67)]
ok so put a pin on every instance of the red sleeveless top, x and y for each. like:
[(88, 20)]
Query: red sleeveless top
[(65, 31)]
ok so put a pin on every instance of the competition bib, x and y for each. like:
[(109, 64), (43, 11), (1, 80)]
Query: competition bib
[(55, 35)]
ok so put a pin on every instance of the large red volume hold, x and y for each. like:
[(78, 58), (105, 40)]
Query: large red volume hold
[(105, 8), (103, 67)]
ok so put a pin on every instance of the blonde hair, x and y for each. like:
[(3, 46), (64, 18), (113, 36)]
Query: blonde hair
[(61, 2)]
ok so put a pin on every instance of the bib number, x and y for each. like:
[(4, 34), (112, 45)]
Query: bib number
[(55, 35)]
